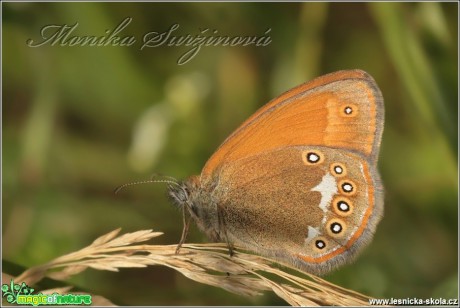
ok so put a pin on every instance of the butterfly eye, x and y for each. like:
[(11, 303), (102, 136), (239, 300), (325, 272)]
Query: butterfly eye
[(349, 110), (338, 170), (336, 227), (342, 206), (312, 157), (186, 191), (186, 199), (347, 187), (320, 244), (179, 194)]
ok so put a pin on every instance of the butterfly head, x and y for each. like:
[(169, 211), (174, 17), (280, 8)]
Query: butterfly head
[(184, 194), (191, 196)]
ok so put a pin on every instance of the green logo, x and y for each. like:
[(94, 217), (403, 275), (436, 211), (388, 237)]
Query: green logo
[(21, 294)]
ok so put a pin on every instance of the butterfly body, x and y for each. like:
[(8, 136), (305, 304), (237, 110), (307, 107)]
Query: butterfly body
[(298, 180)]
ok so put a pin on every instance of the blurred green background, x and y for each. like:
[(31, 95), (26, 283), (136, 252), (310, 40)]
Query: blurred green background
[(79, 121)]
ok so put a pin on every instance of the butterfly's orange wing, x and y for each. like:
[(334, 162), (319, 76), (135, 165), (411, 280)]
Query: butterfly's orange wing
[(340, 110)]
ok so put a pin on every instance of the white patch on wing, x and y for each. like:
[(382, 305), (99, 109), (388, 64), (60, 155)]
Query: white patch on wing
[(361, 167), (312, 233), (328, 188), (324, 219)]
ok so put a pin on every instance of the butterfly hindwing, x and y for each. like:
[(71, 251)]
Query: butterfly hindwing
[(307, 203)]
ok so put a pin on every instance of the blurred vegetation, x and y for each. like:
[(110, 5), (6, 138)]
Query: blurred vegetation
[(79, 121)]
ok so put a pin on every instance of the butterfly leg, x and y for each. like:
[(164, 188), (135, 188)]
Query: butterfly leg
[(231, 249), (186, 221)]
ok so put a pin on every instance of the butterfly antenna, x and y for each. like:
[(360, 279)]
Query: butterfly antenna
[(158, 175), (116, 190)]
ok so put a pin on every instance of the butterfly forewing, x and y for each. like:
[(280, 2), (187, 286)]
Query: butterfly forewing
[(342, 110)]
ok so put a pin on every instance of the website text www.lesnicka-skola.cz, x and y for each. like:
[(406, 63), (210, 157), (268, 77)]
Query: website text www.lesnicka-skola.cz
[(413, 302)]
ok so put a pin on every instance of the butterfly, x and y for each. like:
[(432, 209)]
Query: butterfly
[(298, 180)]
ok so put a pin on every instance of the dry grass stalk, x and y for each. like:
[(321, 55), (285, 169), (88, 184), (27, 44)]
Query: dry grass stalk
[(243, 273)]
